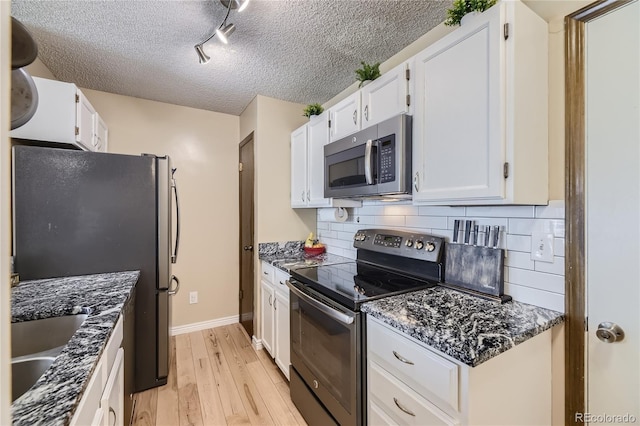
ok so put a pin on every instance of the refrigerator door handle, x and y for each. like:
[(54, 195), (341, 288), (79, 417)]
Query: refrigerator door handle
[(174, 256), (172, 292)]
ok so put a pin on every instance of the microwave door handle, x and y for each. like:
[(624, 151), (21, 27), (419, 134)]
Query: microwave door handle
[(174, 256), (368, 169), (328, 310)]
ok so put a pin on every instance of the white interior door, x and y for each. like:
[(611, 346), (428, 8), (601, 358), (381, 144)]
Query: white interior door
[(613, 213)]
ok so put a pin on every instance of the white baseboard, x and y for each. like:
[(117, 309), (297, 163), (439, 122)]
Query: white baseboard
[(199, 326), (256, 343)]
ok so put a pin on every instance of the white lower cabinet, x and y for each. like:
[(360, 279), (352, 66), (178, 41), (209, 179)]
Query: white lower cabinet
[(408, 383), (274, 304), (102, 403)]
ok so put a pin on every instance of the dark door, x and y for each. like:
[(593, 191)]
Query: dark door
[(246, 234)]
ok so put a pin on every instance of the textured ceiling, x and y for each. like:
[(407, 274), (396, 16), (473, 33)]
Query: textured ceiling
[(302, 51)]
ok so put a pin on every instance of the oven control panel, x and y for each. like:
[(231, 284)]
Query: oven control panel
[(400, 243)]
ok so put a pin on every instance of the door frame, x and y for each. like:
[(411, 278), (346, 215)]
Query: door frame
[(575, 138), (246, 140)]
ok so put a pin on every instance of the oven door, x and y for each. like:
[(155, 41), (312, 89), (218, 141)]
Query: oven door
[(350, 165), (326, 352)]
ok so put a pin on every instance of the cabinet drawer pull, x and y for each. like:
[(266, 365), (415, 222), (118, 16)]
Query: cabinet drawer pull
[(416, 182), (302, 196), (401, 358), (366, 112), (270, 300), (355, 116), (266, 273), (409, 412)]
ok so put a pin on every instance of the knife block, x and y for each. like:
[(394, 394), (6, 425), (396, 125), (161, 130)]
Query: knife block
[(477, 270)]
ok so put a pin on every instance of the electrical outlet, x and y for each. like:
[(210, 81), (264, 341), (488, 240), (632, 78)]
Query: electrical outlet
[(193, 297), (542, 247)]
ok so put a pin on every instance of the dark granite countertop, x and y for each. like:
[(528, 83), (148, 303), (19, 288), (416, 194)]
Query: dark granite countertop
[(55, 396), (290, 255), (467, 328)]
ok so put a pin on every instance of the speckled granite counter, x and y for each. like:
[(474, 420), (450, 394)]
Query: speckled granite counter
[(467, 328), (290, 255), (55, 396)]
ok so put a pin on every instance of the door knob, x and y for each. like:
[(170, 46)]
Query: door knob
[(248, 248), (609, 332)]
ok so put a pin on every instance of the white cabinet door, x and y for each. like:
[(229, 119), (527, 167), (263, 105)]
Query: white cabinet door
[(299, 167), (345, 117), (85, 122), (318, 137), (267, 301), (386, 96), (112, 402), (458, 121), (282, 332), (102, 135)]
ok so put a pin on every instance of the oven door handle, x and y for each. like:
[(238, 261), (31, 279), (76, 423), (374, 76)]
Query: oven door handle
[(326, 309), (368, 169)]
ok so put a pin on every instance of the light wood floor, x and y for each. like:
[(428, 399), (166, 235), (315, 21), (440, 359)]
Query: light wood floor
[(217, 378)]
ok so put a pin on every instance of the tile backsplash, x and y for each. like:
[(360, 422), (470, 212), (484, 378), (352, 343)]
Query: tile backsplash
[(526, 280)]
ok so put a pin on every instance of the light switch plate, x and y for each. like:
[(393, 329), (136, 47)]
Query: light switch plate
[(542, 247)]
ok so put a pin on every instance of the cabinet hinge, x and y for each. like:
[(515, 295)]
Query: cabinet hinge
[(408, 100), (77, 130), (408, 74), (241, 294), (77, 99), (505, 170), (329, 123), (586, 323), (506, 31), (239, 167)]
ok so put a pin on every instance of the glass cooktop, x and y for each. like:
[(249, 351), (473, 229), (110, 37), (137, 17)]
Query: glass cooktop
[(352, 284)]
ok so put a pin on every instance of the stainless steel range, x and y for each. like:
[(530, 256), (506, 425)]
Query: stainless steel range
[(328, 380)]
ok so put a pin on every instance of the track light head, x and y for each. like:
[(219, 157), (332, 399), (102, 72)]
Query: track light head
[(224, 32), (202, 57)]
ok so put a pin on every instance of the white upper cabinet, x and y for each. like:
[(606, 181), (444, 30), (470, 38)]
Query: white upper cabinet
[(480, 116), (64, 115), (307, 165), (387, 96), (318, 137), (384, 97), (86, 122), (299, 167), (345, 117)]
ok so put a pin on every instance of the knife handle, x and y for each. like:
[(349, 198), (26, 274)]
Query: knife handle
[(467, 230), (487, 233), (456, 229), (496, 236), (476, 237)]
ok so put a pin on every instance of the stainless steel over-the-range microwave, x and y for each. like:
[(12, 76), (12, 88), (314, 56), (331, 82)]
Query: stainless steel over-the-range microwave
[(375, 161)]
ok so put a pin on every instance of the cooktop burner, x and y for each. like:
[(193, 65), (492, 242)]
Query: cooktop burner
[(354, 283)]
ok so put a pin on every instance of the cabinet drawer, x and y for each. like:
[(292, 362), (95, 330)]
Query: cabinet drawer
[(401, 403), (267, 272), (280, 281), (419, 368)]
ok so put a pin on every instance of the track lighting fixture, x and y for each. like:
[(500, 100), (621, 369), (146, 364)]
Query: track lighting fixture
[(224, 30)]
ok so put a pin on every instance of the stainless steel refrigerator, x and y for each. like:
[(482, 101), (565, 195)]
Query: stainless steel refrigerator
[(77, 213)]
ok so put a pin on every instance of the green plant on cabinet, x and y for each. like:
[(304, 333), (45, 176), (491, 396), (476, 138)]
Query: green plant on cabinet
[(367, 72), (462, 7)]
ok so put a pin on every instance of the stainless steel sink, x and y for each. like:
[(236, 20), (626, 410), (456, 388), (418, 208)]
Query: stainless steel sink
[(25, 372), (35, 337), (34, 346)]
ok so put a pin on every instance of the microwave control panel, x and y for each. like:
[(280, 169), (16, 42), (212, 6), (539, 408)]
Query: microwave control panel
[(387, 159)]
